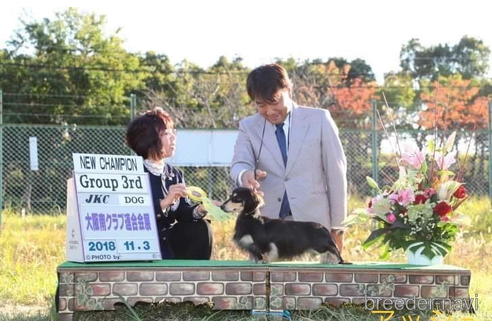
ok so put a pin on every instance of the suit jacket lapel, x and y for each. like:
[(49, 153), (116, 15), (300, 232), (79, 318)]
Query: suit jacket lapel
[(297, 133), (270, 143)]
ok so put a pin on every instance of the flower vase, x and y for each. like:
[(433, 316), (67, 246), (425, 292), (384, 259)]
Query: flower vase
[(415, 256)]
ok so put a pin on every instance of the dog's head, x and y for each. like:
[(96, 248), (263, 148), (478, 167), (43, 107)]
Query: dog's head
[(242, 200)]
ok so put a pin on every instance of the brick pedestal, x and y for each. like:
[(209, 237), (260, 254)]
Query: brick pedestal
[(259, 287)]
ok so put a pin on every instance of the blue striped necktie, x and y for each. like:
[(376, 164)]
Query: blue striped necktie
[(282, 143)]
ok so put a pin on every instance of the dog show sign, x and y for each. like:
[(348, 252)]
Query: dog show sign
[(110, 210)]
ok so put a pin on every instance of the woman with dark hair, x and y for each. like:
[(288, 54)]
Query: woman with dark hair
[(183, 231)]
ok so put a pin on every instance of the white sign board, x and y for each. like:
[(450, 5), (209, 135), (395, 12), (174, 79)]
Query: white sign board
[(33, 153), (204, 148), (110, 210)]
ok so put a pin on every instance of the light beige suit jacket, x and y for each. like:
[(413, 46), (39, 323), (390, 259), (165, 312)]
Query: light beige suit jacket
[(315, 175)]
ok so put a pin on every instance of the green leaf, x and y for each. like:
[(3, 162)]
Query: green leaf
[(446, 173), (386, 252), (428, 251), (399, 225), (438, 249), (414, 247), (359, 215), (372, 183), (443, 247), (424, 167), (377, 218), (431, 249), (431, 146), (374, 237)]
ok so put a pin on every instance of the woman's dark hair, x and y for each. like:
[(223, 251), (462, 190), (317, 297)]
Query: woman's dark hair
[(143, 132), (263, 82)]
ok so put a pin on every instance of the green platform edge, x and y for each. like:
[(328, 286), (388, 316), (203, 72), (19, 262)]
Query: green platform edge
[(248, 264)]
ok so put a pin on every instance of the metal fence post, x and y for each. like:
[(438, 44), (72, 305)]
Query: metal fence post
[(1, 155), (374, 142), (133, 111), (133, 106), (490, 149)]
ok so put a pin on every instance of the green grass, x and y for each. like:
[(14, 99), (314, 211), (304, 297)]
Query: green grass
[(31, 248), (190, 312), (479, 219)]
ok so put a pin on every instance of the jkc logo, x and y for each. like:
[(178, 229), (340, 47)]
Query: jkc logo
[(97, 199)]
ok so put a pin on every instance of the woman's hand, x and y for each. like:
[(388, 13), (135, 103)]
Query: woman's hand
[(199, 212), (176, 191)]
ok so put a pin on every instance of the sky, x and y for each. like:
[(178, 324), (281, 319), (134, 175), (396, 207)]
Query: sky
[(261, 30)]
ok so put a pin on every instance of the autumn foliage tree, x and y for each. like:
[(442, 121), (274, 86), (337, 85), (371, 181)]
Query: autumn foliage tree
[(353, 103), (335, 86), (453, 103)]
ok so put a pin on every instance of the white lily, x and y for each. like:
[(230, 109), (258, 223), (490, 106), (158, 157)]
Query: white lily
[(449, 142), (447, 189)]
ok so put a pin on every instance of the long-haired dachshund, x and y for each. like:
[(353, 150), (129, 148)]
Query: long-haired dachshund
[(268, 239)]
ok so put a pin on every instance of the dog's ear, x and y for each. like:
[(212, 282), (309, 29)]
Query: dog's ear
[(249, 201), (253, 202)]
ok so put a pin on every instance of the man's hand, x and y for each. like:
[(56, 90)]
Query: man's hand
[(337, 236), (249, 181), (176, 191)]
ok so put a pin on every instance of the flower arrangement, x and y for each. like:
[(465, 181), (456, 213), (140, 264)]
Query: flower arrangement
[(419, 209)]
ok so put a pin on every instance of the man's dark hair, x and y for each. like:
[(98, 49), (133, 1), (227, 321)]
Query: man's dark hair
[(143, 133), (263, 82)]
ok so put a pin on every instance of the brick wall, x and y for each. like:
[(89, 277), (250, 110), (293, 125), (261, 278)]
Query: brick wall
[(308, 289), (246, 288)]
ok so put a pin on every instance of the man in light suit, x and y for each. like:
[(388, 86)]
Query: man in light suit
[(301, 166)]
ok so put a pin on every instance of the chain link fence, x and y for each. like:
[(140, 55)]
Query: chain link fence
[(44, 190)]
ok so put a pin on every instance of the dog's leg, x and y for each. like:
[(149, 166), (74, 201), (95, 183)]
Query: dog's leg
[(331, 256), (255, 253), (247, 243), (252, 258), (272, 254)]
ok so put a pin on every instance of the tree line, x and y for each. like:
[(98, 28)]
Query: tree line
[(66, 70)]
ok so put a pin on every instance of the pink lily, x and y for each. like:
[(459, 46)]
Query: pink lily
[(403, 197), (444, 162), (413, 156)]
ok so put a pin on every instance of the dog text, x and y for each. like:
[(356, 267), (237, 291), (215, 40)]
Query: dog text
[(134, 200)]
